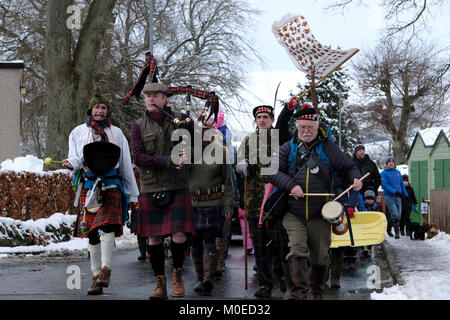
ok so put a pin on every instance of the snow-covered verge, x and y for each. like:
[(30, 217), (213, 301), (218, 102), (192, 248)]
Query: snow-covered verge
[(424, 269), (57, 230)]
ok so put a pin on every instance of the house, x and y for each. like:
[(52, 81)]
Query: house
[(11, 73), (429, 161)]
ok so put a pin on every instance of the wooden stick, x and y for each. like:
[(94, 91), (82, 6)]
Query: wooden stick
[(245, 232), (346, 190)]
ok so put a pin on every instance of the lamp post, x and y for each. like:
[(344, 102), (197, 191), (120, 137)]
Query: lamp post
[(150, 3)]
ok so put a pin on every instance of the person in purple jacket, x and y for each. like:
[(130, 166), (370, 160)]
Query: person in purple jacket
[(394, 190)]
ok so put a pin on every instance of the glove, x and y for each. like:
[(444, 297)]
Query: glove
[(351, 212), (242, 167), (398, 194), (293, 103)]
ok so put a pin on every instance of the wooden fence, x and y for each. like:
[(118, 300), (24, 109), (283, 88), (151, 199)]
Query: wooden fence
[(440, 208)]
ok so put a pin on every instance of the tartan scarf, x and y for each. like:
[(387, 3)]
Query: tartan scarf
[(99, 127)]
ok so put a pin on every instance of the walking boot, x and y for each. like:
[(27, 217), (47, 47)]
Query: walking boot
[(161, 289), (299, 269), (389, 229), (317, 279), (177, 283), (221, 258), (210, 258), (197, 259), (287, 275), (95, 290), (104, 277)]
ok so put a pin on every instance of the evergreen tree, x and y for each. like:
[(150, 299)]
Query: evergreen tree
[(328, 101)]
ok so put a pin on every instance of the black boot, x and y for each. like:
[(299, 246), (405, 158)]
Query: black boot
[(318, 278), (197, 259), (396, 229), (335, 268), (142, 242), (389, 229), (299, 268)]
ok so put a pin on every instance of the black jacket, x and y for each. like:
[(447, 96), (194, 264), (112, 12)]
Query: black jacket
[(309, 178), (373, 181)]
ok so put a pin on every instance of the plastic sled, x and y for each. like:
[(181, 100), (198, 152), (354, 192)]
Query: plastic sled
[(369, 227)]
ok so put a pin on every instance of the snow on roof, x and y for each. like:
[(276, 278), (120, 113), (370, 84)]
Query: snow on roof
[(430, 135)]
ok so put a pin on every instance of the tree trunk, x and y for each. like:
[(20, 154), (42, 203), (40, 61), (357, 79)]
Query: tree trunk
[(60, 84), (69, 81)]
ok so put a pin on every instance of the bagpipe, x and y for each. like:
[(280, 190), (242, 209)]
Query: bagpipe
[(150, 69)]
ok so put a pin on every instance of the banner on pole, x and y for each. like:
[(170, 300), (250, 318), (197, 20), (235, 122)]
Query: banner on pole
[(294, 34)]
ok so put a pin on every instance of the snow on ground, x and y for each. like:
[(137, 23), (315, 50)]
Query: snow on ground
[(424, 267), (126, 241)]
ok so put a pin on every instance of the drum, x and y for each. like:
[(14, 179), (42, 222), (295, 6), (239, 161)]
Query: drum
[(331, 211)]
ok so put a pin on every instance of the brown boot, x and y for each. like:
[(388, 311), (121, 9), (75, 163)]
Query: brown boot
[(317, 280), (210, 262), (299, 269), (177, 283), (104, 277), (95, 290), (197, 259), (161, 290)]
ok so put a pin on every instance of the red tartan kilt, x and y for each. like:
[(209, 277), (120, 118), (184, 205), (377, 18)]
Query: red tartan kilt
[(110, 213), (177, 217)]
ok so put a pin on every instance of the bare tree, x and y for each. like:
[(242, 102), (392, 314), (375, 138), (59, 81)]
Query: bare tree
[(403, 87), (206, 44), (406, 15)]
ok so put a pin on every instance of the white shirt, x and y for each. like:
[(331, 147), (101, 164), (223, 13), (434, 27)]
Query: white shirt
[(82, 135)]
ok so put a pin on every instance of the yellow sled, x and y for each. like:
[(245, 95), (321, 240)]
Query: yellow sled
[(369, 227)]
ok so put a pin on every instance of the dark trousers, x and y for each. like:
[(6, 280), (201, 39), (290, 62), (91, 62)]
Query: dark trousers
[(266, 244)]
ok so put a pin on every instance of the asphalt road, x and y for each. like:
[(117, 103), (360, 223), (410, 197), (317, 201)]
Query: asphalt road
[(69, 277)]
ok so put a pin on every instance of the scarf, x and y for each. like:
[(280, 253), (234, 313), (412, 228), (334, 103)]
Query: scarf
[(99, 127)]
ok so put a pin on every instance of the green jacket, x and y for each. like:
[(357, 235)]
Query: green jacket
[(210, 183), (157, 142), (255, 180)]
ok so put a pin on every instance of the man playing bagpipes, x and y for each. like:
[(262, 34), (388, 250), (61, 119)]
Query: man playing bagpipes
[(164, 204), (102, 221)]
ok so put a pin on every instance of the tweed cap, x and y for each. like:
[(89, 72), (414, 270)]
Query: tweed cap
[(156, 87)]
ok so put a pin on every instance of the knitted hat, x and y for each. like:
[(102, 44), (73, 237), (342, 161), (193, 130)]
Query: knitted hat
[(389, 158), (359, 147), (369, 194), (263, 108), (96, 99), (156, 87), (306, 113)]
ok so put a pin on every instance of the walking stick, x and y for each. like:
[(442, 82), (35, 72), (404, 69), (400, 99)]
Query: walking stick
[(245, 231)]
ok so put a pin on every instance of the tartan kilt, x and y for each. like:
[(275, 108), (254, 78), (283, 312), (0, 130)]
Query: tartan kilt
[(110, 213), (177, 217), (207, 218)]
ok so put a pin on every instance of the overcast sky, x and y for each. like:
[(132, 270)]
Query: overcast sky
[(359, 27)]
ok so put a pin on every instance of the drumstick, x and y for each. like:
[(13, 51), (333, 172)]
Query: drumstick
[(360, 179), (317, 194)]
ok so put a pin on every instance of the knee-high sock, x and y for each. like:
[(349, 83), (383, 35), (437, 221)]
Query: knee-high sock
[(178, 254), (157, 258), (95, 257), (107, 245)]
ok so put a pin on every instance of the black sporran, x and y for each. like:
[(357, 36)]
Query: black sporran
[(277, 204), (162, 199)]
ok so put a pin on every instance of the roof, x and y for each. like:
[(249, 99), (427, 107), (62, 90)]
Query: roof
[(429, 137), (16, 64)]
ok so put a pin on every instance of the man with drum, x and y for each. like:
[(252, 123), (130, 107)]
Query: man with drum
[(310, 234)]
